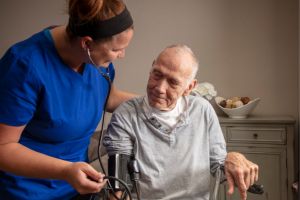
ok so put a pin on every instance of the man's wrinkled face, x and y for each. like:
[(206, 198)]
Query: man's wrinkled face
[(168, 80)]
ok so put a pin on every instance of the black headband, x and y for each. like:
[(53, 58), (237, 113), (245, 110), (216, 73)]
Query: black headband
[(101, 29)]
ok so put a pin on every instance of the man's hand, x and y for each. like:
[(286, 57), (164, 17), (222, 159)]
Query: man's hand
[(241, 172)]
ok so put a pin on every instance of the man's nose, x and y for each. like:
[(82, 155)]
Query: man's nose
[(162, 86)]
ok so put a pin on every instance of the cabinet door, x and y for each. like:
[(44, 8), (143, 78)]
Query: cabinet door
[(272, 172)]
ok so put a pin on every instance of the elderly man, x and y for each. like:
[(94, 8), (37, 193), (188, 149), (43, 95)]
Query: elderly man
[(175, 137)]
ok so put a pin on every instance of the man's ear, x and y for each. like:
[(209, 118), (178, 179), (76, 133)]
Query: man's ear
[(153, 62), (190, 87)]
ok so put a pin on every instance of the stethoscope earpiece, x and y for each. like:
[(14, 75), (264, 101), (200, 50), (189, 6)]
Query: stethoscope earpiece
[(88, 51)]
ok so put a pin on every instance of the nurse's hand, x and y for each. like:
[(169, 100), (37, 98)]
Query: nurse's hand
[(83, 177)]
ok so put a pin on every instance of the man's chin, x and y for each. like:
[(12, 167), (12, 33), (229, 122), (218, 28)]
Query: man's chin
[(157, 106)]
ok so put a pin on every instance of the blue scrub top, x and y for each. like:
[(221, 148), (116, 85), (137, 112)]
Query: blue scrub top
[(60, 108)]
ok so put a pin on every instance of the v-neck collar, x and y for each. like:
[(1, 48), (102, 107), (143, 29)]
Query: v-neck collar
[(182, 121)]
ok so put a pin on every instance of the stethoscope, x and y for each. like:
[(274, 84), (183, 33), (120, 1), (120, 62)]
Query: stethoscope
[(109, 188), (105, 75)]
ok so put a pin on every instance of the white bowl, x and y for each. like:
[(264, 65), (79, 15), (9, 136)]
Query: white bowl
[(240, 112)]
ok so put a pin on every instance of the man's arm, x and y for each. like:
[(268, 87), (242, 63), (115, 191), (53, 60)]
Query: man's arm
[(119, 144), (241, 172), (238, 170)]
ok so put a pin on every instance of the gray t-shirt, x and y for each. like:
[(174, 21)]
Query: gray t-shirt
[(174, 164)]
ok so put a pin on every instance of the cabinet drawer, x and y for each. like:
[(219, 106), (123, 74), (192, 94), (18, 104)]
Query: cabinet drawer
[(256, 135)]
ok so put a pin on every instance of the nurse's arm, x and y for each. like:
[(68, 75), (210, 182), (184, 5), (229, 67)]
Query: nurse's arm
[(116, 97), (20, 160)]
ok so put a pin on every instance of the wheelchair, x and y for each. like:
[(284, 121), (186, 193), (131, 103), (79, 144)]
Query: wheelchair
[(126, 182)]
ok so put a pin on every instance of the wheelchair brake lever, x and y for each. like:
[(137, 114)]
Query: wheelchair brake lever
[(256, 189)]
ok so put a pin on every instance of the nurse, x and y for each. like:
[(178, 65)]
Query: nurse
[(53, 87)]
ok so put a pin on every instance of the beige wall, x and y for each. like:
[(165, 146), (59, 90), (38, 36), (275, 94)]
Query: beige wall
[(20, 19), (245, 48)]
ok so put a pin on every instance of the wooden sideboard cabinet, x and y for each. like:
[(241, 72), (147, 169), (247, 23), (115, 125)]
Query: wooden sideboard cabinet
[(269, 142)]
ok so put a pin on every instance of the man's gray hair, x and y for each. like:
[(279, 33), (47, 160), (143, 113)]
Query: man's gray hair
[(193, 62)]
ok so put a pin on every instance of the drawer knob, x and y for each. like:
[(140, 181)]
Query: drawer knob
[(255, 135)]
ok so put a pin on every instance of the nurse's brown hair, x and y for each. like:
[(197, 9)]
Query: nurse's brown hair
[(89, 11)]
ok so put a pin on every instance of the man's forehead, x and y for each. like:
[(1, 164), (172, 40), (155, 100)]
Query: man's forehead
[(169, 73), (168, 63), (172, 66)]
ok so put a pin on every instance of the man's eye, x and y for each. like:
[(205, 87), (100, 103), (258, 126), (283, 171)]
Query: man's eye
[(173, 83), (117, 50), (156, 75)]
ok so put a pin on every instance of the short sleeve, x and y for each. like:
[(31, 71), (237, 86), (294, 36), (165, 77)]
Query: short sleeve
[(18, 90)]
